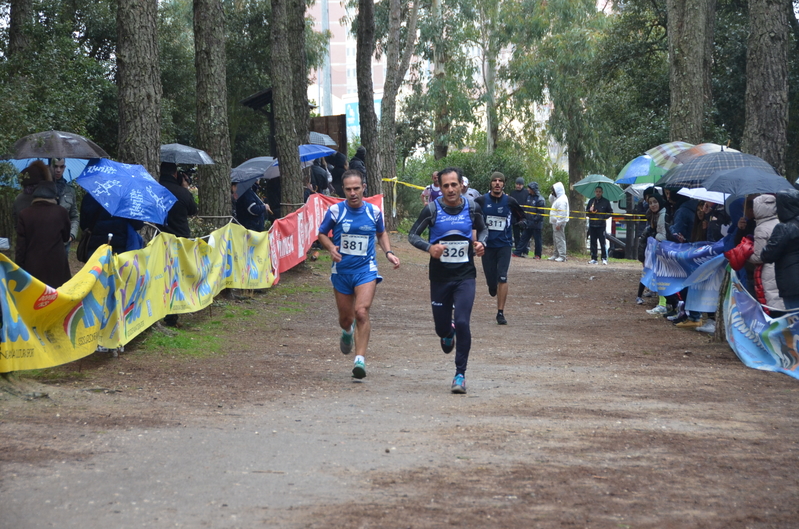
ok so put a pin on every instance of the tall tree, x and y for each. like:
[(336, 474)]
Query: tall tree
[(290, 122), (364, 51), (21, 17), (549, 64), (765, 132), (139, 82), (212, 125), (690, 30)]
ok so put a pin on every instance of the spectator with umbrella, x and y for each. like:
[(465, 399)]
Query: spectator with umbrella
[(783, 248), (32, 176), (250, 209), (67, 198), (177, 220), (42, 229)]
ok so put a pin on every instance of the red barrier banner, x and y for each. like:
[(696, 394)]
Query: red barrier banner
[(291, 237)]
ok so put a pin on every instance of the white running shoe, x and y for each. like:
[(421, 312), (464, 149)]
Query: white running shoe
[(592, 261), (604, 261), (559, 260), (660, 309), (709, 326)]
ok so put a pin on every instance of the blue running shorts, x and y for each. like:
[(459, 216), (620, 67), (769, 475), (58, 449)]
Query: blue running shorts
[(346, 283)]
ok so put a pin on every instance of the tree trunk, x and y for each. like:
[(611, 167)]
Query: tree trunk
[(765, 131), (441, 120), (488, 17), (575, 229), (397, 66), (288, 128), (213, 135), (21, 16), (370, 139), (299, 70), (139, 83), (690, 31)]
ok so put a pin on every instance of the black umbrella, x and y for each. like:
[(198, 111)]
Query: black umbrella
[(183, 154), (57, 144), (746, 181), (695, 172)]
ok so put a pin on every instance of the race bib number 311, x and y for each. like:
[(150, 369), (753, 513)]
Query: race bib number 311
[(354, 244), (496, 223), (455, 251)]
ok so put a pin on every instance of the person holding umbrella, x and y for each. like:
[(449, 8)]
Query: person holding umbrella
[(67, 198), (598, 210), (250, 209)]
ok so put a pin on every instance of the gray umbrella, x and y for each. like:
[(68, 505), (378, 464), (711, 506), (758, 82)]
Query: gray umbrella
[(746, 181), (183, 154), (252, 168), (57, 144), (321, 139)]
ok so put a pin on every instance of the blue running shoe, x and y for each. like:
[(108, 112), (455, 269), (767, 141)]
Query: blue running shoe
[(459, 384), (448, 343), (347, 340)]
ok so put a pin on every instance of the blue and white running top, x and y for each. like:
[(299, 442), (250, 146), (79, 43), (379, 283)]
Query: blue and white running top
[(354, 233)]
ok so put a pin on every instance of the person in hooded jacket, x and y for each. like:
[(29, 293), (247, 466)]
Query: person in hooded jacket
[(251, 210), (765, 210), (559, 217), (177, 220), (535, 221), (42, 230), (782, 248), (359, 161), (682, 224), (94, 217), (519, 193), (32, 175), (67, 198)]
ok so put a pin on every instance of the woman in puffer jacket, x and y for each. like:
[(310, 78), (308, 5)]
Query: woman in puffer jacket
[(783, 248), (765, 210)]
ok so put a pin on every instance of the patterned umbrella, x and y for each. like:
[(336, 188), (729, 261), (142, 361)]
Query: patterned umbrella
[(641, 170), (694, 173), (321, 139), (701, 150), (665, 154)]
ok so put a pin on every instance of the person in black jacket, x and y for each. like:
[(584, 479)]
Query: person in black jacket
[(177, 220), (359, 161), (94, 217), (598, 210), (783, 248), (534, 216), (251, 211)]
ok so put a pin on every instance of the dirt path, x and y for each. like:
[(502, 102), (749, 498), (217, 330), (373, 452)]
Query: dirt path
[(583, 412)]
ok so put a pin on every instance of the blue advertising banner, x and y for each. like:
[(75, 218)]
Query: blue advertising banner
[(670, 267), (761, 342)]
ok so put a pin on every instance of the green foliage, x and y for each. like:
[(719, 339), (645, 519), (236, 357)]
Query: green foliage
[(56, 84)]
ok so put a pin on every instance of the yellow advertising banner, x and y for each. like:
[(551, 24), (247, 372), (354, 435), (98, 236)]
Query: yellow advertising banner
[(116, 297)]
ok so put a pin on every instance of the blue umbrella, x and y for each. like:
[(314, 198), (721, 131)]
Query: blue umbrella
[(311, 152), (640, 170), (126, 191), (75, 166)]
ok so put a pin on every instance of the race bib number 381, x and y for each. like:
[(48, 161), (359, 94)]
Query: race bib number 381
[(455, 251), (354, 244)]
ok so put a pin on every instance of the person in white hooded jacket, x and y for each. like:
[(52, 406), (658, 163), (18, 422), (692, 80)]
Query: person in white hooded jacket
[(558, 217), (765, 210)]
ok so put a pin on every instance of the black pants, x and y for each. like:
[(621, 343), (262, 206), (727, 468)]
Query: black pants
[(530, 233), (454, 297), (597, 233), (496, 262)]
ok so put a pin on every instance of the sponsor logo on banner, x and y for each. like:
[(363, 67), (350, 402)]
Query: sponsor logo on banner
[(48, 296)]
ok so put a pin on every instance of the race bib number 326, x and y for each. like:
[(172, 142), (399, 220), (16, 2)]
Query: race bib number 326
[(455, 251), (354, 244)]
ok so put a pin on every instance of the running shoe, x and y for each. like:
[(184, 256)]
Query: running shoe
[(592, 261), (537, 257), (639, 301), (501, 319), (458, 384), (660, 309), (679, 319), (559, 260), (347, 340), (604, 261), (551, 258), (709, 326), (359, 369), (448, 343)]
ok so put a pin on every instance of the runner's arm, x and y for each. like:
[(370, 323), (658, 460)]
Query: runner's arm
[(479, 225), (385, 244), (516, 209), (421, 224), (328, 245)]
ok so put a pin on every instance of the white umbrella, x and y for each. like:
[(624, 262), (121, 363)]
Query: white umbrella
[(321, 139), (700, 193)]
